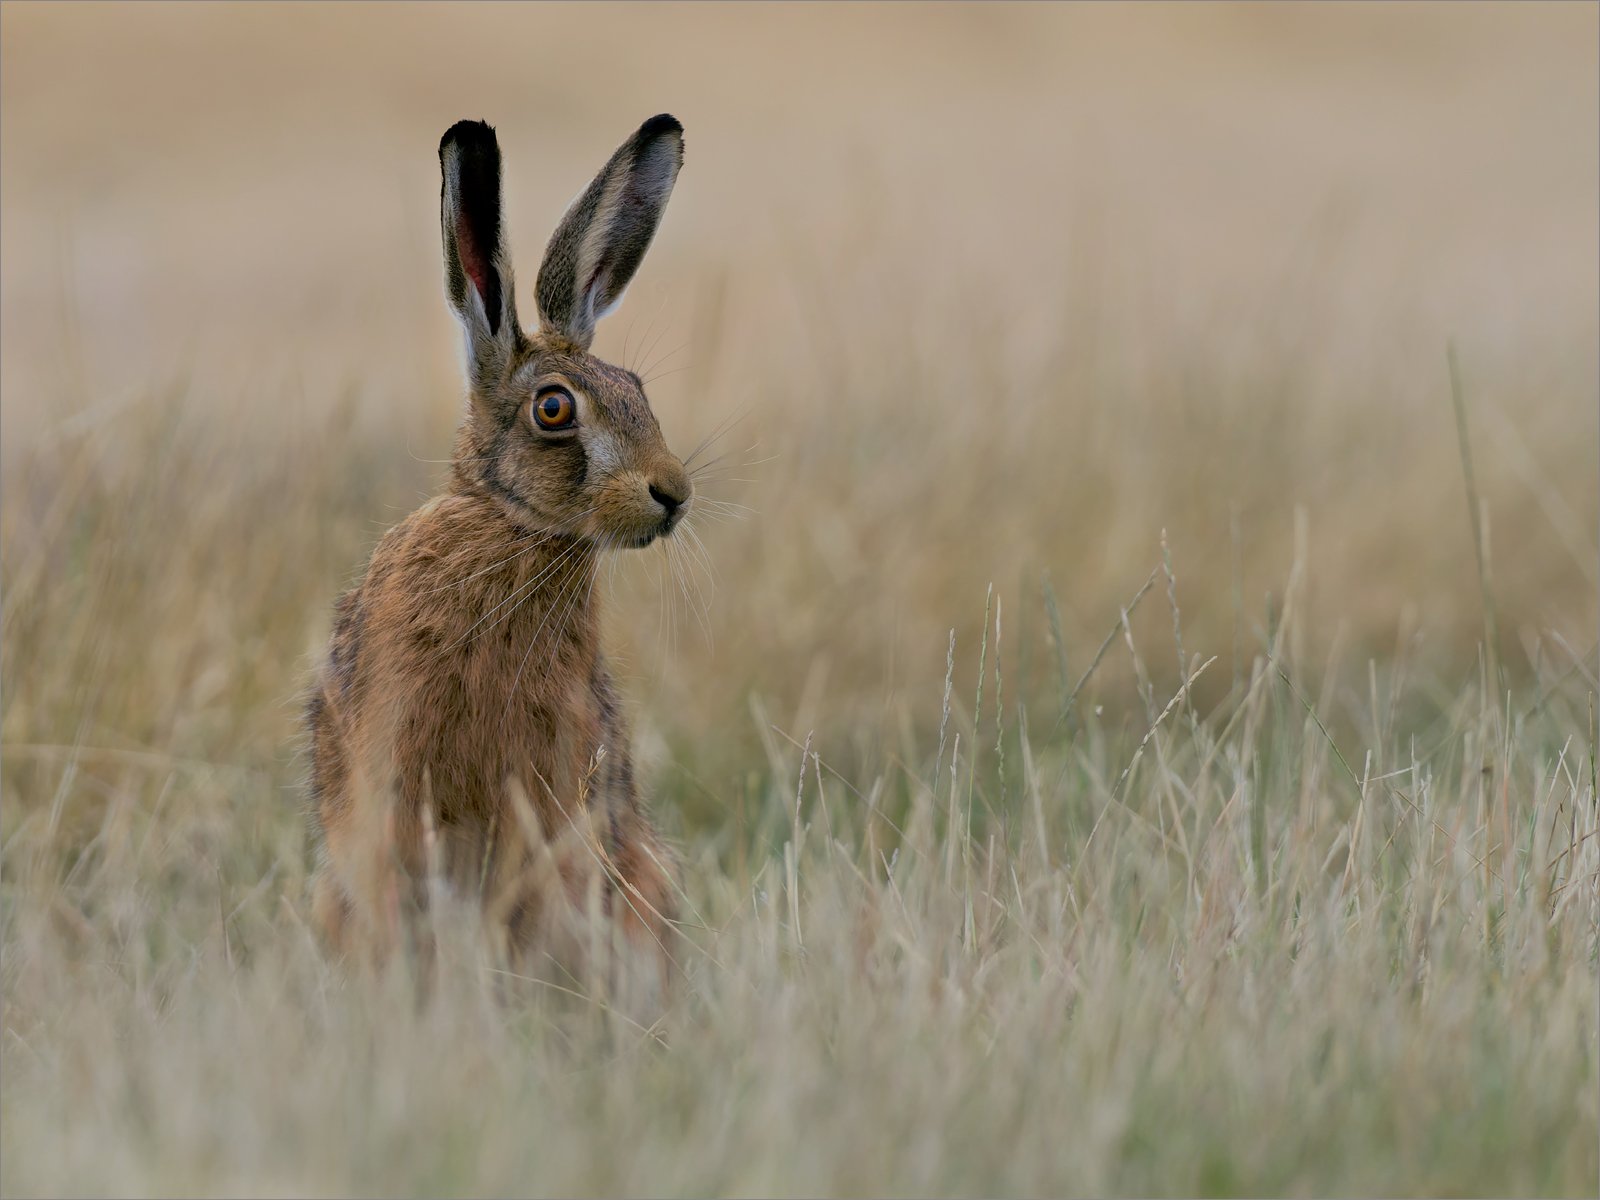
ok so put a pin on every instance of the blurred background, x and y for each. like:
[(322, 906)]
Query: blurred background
[(982, 295)]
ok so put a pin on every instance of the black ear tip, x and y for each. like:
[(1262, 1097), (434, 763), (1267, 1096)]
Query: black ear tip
[(660, 125), (469, 135)]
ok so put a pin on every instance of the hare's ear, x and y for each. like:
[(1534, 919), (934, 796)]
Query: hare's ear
[(603, 236), (477, 263)]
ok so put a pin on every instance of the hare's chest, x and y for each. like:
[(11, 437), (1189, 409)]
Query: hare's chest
[(542, 731)]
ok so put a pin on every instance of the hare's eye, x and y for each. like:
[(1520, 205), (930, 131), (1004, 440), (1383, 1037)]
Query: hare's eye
[(553, 408)]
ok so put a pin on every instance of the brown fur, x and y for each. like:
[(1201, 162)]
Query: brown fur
[(465, 718)]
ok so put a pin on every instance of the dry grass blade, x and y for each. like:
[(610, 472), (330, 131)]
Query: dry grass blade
[(1100, 653), (1475, 511)]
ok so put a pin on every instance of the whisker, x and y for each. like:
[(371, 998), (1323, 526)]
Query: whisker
[(524, 591), (626, 338), (723, 427), (693, 595), (717, 505), (544, 536), (703, 591), (698, 554), (492, 566), (650, 372), (541, 536), (572, 582), (661, 611), (456, 458), (649, 325), (701, 552), (701, 472), (649, 379), (672, 599), (665, 329)]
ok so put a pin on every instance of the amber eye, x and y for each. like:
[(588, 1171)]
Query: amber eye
[(553, 408)]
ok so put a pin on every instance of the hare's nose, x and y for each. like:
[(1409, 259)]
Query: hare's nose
[(666, 499)]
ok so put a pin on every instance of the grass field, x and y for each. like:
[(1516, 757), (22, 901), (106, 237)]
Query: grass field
[(1133, 734)]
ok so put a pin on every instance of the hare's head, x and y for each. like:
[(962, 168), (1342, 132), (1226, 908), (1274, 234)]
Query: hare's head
[(564, 441)]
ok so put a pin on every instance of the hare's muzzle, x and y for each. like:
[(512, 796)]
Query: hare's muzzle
[(640, 507), (673, 502), (670, 491)]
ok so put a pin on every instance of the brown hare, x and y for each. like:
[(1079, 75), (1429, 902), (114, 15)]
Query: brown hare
[(464, 725)]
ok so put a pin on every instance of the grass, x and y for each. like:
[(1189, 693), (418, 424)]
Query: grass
[(1286, 941), (1105, 760)]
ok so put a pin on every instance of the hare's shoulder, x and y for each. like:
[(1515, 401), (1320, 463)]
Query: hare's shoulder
[(406, 581), (434, 562), (448, 531)]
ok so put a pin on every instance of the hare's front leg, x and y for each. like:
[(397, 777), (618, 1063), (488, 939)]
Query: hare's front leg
[(369, 851), (370, 884), (644, 903)]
